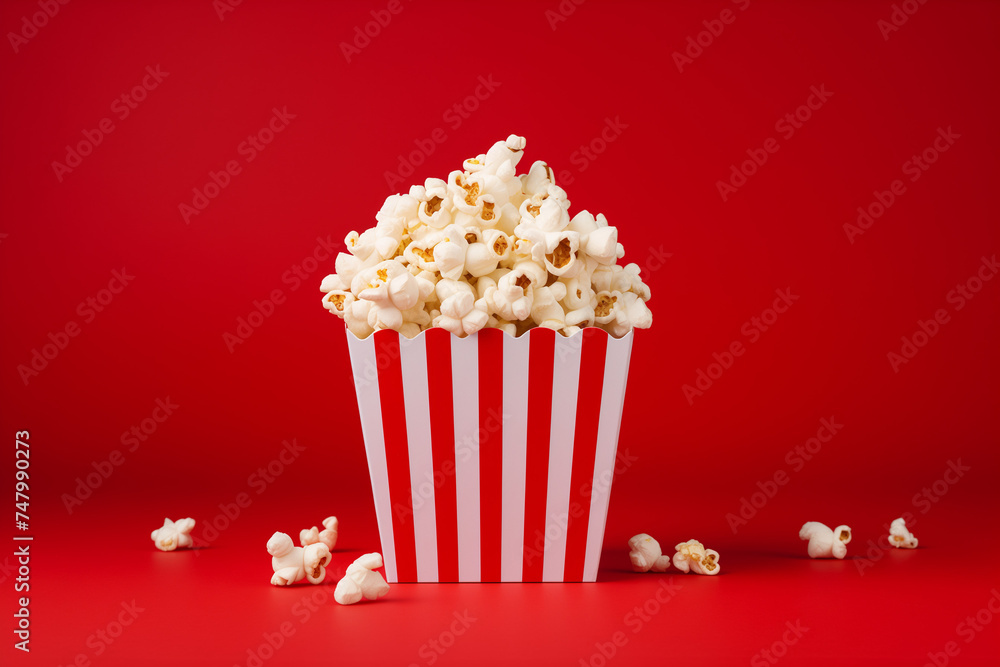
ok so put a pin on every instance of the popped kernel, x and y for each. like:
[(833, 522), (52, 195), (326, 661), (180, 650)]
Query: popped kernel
[(507, 237)]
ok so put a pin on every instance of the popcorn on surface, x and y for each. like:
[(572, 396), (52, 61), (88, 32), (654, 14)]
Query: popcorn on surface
[(900, 537), (361, 581), (486, 248), (292, 563), (824, 542), (173, 535), (327, 536), (692, 556), (646, 555)]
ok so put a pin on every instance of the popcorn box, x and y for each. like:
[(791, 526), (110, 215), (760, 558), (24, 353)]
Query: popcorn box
[(491, 457)]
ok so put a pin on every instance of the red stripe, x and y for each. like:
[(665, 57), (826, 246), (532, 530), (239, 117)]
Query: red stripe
[(588, 413), (541, 355), (490, 451), (397, 457), (438, 345)]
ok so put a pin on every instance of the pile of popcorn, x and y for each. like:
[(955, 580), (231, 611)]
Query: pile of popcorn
[(486, 248)]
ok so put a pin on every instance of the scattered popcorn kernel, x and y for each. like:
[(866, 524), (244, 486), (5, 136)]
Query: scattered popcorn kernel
[(900, 537), (173, 535), (292, 563), (646, 554), (361, 581), (692, 556), (506, 236), (824, 542), (327, 536)]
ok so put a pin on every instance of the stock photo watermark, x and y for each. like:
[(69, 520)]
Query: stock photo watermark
[(294, 276), (786, 127), (32, 23), (797, 458), (248, 149), (967, 630), (913, 168), (957, 297), (923, 502), (370, 30), (453, 117), (121, 108), (101, 639), (58, 340), (752, 330), (258, 482), (696, 44), (779, 648), (898, 17), (131, 439), (634, 621)]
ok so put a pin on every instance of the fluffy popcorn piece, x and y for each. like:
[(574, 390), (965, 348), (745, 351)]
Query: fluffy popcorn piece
[(327, 536), (824, 542), (173, 535), (508, 237), (460, 316), (900, 537), (291, 563), (692, 556), (646, 555), (361, 581)]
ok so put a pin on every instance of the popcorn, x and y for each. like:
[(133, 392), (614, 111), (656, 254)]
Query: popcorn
[(173, 535), (646, 554), (327, 536), (292, 563), (823, 542), (507, 238), (692, 556), (361, 581), (900, 537)]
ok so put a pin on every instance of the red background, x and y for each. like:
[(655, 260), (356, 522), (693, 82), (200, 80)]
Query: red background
[(162, 336)]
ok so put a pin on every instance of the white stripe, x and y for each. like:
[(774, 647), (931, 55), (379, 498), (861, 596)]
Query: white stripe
[(612, 400), (365, 367), (515, 448), (413, 363), (565, 383), (465, 391)]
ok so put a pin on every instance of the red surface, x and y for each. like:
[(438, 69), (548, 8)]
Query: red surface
[(178, 333)]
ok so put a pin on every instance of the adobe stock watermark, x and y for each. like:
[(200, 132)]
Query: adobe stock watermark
[(923, 502), (59, 340), (958, 297), (635, 621), (223, 7), (248, 149), (466, 445), (31, 24), (561, 522), (562, 12), (258, 482), (101, 639), (770, 655), (131, 440), (121, 108), (914, 168), (786, 126), (585, 154), (272, 641), (370, 30), (696, 44), (898, 17), (433, 649), (453, 117), (752, 330), (796, 458), (295, 276), (967, 630)]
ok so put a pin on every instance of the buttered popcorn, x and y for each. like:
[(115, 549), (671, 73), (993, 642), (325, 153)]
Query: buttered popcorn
[(486, 248)]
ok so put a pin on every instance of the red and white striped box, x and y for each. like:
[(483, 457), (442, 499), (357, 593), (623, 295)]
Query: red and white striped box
[(491, 457)]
